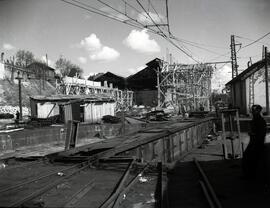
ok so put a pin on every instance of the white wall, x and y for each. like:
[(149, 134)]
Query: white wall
[(93, 112), (259, 89), (43, 110)]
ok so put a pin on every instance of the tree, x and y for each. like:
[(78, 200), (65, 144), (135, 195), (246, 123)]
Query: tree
[(67, 68), (24, 57)]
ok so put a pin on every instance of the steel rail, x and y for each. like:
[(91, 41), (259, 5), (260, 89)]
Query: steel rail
[(208, 184), (118, 187), (46, 188), (119, 198), (23, 165), (206, 194), (36, 179)]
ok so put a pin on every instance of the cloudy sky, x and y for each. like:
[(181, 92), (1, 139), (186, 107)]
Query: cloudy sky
[(99, 44)]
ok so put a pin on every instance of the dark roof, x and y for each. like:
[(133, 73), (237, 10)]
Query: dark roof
[(145, 79), (154, 63), (117, 80), (40, 65), (249, 71), (67, 98)]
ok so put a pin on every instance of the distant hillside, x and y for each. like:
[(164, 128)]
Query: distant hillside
[(9, 91)]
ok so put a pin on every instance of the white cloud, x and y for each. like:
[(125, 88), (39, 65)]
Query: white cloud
[(220, 77), (105, 54), (82, 60), (98, 51), (140, 41), (50, 62), (144, 18), (91, 43), (8, 46)]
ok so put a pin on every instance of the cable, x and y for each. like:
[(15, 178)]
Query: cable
[(256, 40), (100, 13), (120, 12), (210, 51), (245, 38), (188, 41), (155, 11), (165, 36), (131, 6), (162, 33), (167, 15)]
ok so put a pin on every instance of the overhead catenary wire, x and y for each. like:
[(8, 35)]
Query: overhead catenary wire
[(255, 41), (161, 32), (245, 38), (134, 22), (102, 14), (161, 20), (203, 48), (196, 43), (89, 8), (130, 18), (166, 37)]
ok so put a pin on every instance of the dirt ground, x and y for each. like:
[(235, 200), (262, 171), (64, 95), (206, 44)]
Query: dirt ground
[(226, 177)]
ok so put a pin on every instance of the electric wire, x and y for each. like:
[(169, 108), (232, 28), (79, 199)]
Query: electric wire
[(100, 13), (120, 12), (166, 37), (161, 20), (255, 41), (138, 24), (245, 38)]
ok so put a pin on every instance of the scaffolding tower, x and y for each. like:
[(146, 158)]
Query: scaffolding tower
[(182, 84)]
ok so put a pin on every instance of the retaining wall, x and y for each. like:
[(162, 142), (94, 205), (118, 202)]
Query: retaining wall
[(27, 137), (170, 146)]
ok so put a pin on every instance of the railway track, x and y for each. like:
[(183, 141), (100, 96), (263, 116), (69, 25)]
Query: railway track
[(189, 186), (23, 192)]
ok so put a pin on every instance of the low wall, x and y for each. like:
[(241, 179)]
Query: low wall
[(170, 146), (27, 137)]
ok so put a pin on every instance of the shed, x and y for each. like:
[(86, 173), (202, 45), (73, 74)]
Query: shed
[(84, 108), (249, 87)]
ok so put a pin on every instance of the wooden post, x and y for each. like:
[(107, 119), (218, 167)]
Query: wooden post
[(266, 82), (224, 135), (239, 136), (158, 88)]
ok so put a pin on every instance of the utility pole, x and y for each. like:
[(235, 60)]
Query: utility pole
[(19, 78), (266, 81), (158, 71), (234, 57)]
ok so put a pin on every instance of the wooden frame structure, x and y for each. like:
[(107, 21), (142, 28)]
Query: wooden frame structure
[(189, 85), (76, 86)]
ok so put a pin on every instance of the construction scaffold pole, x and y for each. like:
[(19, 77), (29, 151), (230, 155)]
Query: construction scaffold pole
[(266, 81)]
